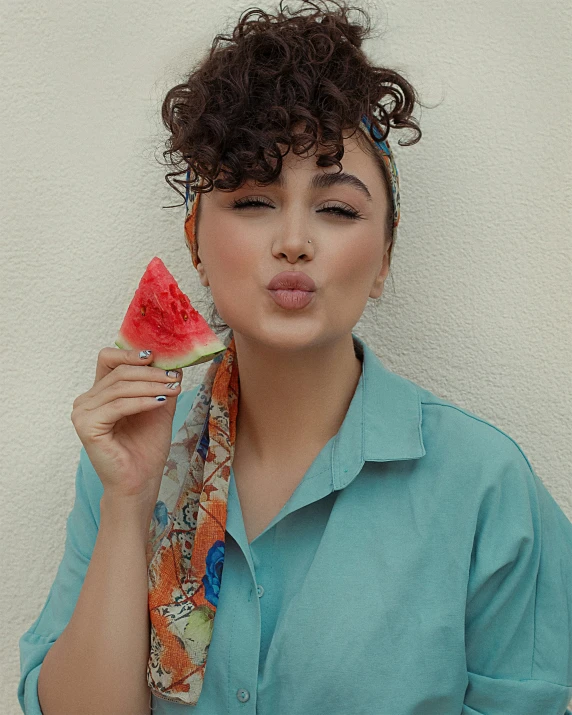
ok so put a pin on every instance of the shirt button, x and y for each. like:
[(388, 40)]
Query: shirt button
[(243, 695), (259, 590)]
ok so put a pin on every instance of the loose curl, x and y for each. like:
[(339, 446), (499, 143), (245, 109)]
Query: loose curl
[(275, 73)]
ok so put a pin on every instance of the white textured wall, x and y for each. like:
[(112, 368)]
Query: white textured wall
[(481, 311)]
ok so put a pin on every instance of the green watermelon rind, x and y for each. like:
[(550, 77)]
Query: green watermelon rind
[(194, 357)]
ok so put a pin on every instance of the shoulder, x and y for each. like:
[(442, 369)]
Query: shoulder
[(451, 429), (471, 452), (482, 472)]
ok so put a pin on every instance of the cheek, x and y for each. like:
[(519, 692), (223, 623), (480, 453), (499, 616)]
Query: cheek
[(353, 270), (235, 279), (227, 250), (232, 260)]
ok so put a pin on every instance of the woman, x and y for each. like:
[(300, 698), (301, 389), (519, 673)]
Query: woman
[(385, 552)]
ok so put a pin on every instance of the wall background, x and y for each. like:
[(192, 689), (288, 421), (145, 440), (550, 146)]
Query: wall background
[(481, 310)]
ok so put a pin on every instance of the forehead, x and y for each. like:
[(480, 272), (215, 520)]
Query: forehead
[(355, 156), (359, 170)]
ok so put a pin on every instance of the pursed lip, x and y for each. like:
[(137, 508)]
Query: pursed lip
[(292, 280)]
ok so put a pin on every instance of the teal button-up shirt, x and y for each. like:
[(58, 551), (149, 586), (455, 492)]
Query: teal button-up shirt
[(419, 568)]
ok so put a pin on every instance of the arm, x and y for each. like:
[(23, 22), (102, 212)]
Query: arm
[(78, 620), (99, 662), (89, 517), (519, 599)]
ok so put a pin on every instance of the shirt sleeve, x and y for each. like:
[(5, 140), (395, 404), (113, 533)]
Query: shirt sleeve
[(81, 534), (518, 619)]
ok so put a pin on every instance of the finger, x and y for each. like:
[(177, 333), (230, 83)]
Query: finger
[(131, 389), (132, 373), (110, 358), (92, 424)]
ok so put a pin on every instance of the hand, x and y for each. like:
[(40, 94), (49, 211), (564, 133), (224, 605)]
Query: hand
[(126, 432)]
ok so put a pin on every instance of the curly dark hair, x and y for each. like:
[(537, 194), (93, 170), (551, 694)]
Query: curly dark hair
[(275, 73)]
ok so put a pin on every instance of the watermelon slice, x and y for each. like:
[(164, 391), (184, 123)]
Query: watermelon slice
[(161, 318)]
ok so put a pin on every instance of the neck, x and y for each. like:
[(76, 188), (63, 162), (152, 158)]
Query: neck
[(292, 400)]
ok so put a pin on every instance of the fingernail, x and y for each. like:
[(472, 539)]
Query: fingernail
[(172, 373), (144, 354)]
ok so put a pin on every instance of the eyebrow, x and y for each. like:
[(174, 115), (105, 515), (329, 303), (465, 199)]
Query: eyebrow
[(325, 181)]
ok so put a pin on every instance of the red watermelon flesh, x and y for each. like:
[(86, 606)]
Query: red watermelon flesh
[(161, 318)]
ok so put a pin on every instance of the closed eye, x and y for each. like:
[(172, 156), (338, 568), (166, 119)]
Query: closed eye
[(337, 211)]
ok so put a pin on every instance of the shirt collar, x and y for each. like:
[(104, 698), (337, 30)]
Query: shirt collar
[(383, 420)]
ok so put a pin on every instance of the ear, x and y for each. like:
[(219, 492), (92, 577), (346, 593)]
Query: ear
[(377, 287), (202, 274)]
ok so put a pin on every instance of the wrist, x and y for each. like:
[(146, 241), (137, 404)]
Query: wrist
[(126, 511)]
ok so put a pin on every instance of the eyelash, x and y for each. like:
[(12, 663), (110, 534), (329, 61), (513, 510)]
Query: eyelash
[(336, 211)]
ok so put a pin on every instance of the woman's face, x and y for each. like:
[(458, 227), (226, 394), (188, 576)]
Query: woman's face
[(241, 249)]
